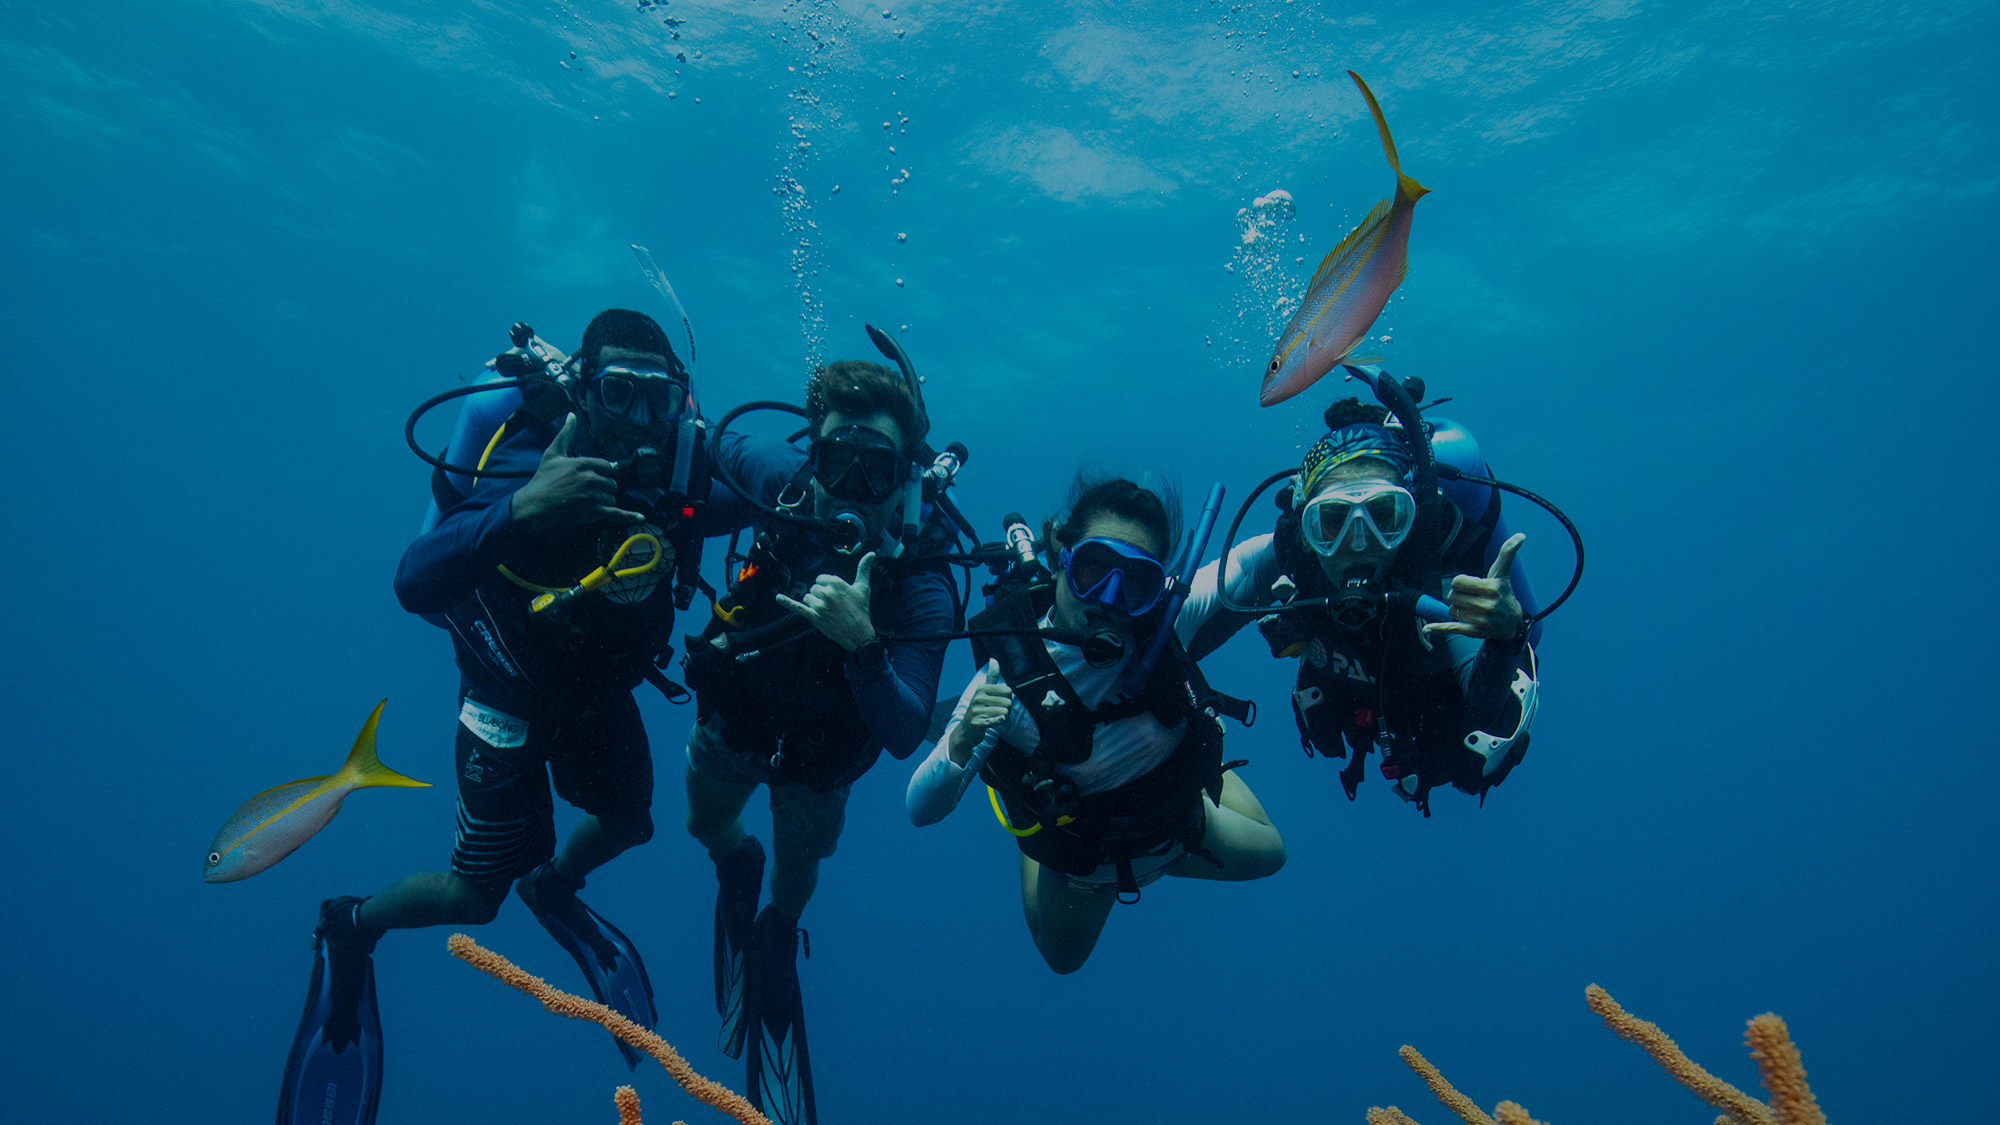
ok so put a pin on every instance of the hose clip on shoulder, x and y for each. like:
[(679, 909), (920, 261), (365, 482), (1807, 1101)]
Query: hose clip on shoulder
[(1495, 748)]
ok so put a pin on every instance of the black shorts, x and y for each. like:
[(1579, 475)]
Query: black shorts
[(594, 750)]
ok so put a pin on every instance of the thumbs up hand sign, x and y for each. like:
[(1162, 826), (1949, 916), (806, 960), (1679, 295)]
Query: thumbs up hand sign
[(1485, 608), (569, 491), (989, 705)]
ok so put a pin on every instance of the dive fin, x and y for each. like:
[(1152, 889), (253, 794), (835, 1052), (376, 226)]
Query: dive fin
[(609, 960), (780, 1072), (364, 768), (334, 1073), (740, 879)]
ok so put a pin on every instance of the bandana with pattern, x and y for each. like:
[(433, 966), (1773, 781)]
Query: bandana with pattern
[(1360, 439)]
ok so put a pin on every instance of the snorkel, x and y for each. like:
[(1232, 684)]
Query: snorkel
[(1178, 591)]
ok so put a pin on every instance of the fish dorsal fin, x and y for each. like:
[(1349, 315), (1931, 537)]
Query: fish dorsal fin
[(1405, 186), (1332, 263), (363, 768)]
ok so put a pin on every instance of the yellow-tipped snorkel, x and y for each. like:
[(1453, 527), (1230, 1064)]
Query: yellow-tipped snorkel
[(603, 575)]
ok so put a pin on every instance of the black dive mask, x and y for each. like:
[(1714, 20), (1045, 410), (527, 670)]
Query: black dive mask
[(858, 465)]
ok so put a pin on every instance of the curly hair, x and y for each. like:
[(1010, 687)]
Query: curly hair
[(1348, 411), (855, 387), (1091, 495)]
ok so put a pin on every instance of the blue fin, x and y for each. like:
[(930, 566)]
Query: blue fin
[(609, 960), (334, 1073)]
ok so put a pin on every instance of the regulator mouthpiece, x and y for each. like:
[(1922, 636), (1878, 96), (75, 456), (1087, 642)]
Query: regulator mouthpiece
[(1104, 648), (849, 532)]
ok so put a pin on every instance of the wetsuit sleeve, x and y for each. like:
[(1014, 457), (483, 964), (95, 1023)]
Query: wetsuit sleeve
[(895, 692), (1203, 624), (939, 783), (1485, 671), (447, 561)]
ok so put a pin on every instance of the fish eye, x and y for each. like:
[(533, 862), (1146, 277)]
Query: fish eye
[(214, 858), (1274, 365)]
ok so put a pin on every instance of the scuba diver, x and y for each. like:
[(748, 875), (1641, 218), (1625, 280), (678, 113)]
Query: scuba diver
[(1103, 758), (802, 679), (1375, 527), (562, 544)]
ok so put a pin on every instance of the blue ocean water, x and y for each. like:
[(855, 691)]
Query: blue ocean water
[(1715, 277)]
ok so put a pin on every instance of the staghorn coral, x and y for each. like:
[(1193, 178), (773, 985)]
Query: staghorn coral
[(1453, 1100), (576, 1007), (1730, 1100), (1782, 1071), (1778, 1064)]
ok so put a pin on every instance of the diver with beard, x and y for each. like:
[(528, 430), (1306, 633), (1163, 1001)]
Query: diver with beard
[(1104, 764), (801, 683), (556, 565), (1444, 700)]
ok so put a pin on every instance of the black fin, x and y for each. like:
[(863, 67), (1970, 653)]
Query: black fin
[(780, 1071)]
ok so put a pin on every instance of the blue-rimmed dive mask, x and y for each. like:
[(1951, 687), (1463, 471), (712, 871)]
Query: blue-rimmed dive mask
[(859, 465), (1114, 574), (642, 396), (1348, 513)]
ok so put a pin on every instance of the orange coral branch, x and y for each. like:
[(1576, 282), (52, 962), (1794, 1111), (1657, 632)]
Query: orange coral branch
[(1453, 1100), (1783, 1071), (577, 1008), (628, 1105), (1390, 1116), (1513, 1113), (1732, 1101)]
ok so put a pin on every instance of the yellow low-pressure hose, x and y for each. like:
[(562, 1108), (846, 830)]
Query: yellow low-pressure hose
[(1001, 815), (603, 574)]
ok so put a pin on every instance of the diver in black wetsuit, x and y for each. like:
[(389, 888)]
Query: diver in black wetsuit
[(559, 588), (808, 709)]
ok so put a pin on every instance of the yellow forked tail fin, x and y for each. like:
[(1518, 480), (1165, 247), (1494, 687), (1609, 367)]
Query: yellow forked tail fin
[(1405, 186), (363, 767)]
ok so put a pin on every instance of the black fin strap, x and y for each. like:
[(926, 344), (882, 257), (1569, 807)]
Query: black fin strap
[(674, 692), (1128, 884)]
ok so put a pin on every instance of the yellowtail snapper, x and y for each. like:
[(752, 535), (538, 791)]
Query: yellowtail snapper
[(271, 825), (1351, 286)]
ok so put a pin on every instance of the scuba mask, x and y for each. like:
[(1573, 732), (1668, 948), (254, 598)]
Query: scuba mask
[(641, 396), (1347, 514), (1114, 574), (858, 465)]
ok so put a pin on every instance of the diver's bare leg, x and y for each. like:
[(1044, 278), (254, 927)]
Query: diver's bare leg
[(1065, 922), (715, 812), (432, 898), (1240, 834)]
